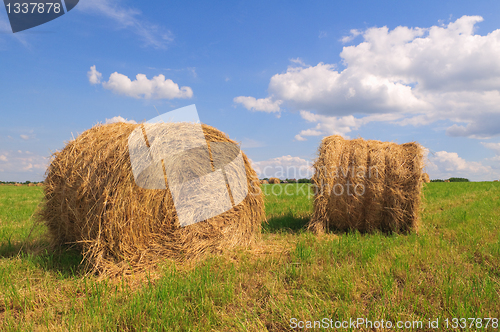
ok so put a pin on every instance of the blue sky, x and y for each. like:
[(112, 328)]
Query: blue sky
[(276, 76)]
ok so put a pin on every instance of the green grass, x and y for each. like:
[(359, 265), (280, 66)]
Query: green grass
[(450, 269)]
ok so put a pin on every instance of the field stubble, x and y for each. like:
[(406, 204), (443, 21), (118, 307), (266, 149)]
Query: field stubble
[(449, 269)]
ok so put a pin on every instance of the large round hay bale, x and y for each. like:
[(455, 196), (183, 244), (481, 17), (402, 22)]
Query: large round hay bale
[(92, 201), (367, 185), (274, 181), (426, 178), (264, 182)]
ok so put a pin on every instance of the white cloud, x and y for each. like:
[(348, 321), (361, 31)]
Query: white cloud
[(129, 18), (24, 137), (94, 76), (284, 167), (322, 34), (298, 61), (116, 119), (158, 87), (445, 164), (407, 76), (299, 138), (264, 105), (353, 34), (17, 165), (492, 146)]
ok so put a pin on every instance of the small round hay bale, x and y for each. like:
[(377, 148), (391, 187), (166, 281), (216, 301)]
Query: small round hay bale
[(18, 184), (495, 180), (446, 180), (426, 178), (274, 181), (31, 185), (264, 182), (39, 184), (92, 201), (367, 185)]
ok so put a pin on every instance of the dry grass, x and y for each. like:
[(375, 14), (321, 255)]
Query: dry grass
[(274, 181), (93, 202), (426, 178), (367, 185)]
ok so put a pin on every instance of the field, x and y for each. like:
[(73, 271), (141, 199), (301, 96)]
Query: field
[(450, 269)]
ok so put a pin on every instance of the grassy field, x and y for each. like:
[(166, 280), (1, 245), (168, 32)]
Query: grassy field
[(450, 269)]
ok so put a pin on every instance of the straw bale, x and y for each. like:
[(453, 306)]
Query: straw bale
[(425, 178), (18, 184), (93, 202), (367, 185), (274, 181), (446, 180), (264, 182)]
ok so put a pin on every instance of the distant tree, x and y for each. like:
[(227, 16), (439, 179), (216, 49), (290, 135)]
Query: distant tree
[(437, 180), (459, 180), (304, 180)]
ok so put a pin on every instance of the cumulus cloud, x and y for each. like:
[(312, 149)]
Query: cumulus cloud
[(406, 76), (116, 119), (129, 18), (284, 167), (445, 164), (94, 76), (28, 136), (158, 87), (492, 146), (353, 34), (264, 105), (19, 165)]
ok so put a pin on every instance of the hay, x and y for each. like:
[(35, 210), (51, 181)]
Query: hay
[(264, 182), (18, 184), (446, 180), (426, 178), (367, 185), (274, 181), (93, 202), (31, 185), (39, 184)]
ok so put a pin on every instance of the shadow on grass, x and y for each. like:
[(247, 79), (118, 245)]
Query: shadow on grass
[(65, 260), (287, 223)]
